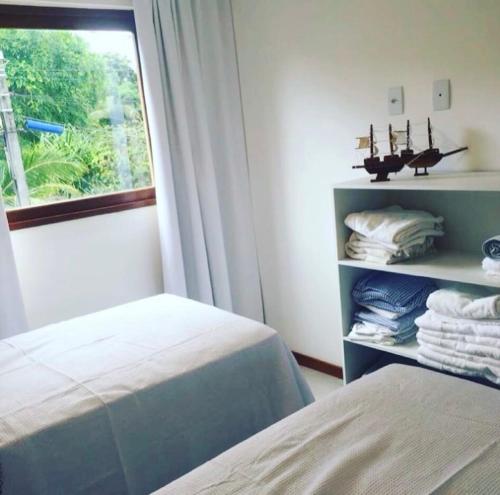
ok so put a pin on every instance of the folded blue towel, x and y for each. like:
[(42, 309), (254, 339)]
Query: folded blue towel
[(491, 247), (399, 326), (392, 291)]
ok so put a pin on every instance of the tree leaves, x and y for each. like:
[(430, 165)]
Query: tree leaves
[(55, 77)]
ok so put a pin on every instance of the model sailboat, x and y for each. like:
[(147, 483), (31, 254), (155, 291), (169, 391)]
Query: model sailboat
[(431, 156), (393, 162)]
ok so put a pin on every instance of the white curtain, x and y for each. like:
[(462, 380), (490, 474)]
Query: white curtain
[(12, 314), (192, 91)]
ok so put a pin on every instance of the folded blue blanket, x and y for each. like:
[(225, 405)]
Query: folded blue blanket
[(399, 326), (392, 291), (491, 247)]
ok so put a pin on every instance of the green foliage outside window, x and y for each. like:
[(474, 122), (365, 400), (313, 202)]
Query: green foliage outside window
[(54, 76)]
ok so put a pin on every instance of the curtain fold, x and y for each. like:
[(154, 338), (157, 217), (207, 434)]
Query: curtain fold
[(12, 314), (189, 63)]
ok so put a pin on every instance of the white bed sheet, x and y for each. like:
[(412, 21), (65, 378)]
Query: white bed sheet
[(400, 430), (128, 399)]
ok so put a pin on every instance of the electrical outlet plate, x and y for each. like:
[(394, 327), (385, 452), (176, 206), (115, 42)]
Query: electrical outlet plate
[(441, 94), (395, 100)]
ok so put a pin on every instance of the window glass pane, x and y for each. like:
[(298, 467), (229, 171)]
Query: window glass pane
[(71, 115)]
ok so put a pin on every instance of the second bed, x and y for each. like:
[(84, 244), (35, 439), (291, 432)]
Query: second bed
[(400, 430)]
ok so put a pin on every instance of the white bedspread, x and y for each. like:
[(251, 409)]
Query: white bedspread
[(128, 399), (401, 430)]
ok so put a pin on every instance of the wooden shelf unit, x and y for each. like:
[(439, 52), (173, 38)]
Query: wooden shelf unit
[(470, 205)]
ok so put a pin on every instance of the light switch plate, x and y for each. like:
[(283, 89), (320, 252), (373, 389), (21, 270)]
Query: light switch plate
[(441, 94), (395, 100)]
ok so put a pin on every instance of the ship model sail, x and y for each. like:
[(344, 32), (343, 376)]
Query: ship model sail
[(393, 163), (374, 165), (431, 156)]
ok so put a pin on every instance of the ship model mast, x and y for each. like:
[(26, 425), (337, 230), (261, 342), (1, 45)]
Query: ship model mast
[(431, 156), (393, 162), (407, 154)]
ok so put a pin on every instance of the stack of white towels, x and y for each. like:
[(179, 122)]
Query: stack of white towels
[(460, 333), (391, 234), (491, 262)]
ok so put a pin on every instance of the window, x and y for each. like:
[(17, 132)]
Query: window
[(72, 116)]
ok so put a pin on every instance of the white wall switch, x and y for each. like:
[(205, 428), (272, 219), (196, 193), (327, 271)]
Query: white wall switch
[(396, 100), (441, 94)]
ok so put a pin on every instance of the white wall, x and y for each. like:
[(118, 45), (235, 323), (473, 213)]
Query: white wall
[(72, 268), (77, 267), (314, 74)]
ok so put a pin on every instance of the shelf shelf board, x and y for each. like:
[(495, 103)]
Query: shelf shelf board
[(466, 181), (453, 266), (408, 350)]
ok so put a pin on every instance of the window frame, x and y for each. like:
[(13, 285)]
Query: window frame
[(25, 17)]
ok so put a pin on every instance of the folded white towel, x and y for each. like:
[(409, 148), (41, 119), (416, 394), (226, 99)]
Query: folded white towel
[(392, 225), (482, 351), (378, 334), (434, 321), (373, 252), (390, 315), (360, 241), (487, 368), (369, 332), (426, 237), (491, 267), (427, 361), (361, 246), (370, 257), (493, 275), (470, 358), (368, 328), (457, 304), (462, 338)]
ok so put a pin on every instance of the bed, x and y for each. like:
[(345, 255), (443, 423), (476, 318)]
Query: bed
[(400, 430), (128, 399)]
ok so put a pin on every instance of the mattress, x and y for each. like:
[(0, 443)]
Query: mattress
[(400, 430), (128, 399)]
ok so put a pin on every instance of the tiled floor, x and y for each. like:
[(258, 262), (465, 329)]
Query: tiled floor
[(320, 383)]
